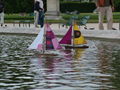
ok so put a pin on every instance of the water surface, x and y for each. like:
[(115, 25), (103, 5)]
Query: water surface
[(95, 68)]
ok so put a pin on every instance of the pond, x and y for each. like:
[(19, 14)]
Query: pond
[(95, 68)]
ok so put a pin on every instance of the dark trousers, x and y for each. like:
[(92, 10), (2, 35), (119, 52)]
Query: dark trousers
[(41, 18)]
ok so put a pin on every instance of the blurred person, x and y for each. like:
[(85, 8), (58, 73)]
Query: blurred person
[(1, 12), (39, 13), (105, 8)]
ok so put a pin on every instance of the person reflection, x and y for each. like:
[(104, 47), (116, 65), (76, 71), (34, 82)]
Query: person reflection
[(116, 69), (104, 57)]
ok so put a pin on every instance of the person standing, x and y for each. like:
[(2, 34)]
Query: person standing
[(105, 8), (1, 12), (39, 13)]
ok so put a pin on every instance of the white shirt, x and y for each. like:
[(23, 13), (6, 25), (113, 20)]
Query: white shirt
[(41, 3)]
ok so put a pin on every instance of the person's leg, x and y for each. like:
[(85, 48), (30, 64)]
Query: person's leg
[(36, 18), (42, 21), (41, 18), (109, 18), (2, 19), (101, 17)]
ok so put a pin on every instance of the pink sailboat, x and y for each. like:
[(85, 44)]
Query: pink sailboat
[(45, 40)]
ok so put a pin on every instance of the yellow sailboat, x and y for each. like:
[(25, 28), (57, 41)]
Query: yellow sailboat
[(73, 38)]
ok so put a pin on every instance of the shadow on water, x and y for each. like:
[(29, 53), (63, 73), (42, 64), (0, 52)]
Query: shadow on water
[(94, 68)]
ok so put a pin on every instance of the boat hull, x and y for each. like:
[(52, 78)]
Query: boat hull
[(75, 46)]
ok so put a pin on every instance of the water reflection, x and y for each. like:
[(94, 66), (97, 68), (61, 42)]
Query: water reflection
[(105, 56), (94, 68), (56, 71), (116, 69), (78, 53)]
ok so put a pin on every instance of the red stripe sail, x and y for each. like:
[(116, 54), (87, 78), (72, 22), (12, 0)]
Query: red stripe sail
[(51, 40)]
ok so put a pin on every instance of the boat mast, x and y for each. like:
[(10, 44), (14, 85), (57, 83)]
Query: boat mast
[(44, 39), (73, 23)]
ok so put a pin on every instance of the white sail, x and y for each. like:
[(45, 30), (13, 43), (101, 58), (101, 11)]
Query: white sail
[(38, 42)]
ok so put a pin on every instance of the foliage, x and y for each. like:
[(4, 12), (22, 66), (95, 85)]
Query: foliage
[(65, 17), (117, 5), (27, 6), (93, 17), (80, 7), (17, 6)]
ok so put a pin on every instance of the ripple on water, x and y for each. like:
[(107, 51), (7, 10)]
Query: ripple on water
[(86, 69)]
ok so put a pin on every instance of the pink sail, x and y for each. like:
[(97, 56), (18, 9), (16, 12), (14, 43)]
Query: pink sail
[(51, 40), (67, 39)]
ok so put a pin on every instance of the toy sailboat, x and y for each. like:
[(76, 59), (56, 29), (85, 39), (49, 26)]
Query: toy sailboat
[(74, 41), (45, 40)]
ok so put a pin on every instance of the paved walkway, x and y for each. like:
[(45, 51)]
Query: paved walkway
[(60, 31)]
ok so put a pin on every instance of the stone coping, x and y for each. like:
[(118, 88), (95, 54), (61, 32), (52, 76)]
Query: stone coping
[(60, 31)]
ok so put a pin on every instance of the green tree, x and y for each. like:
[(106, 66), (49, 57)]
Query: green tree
[(17, 6), (27, 6), (117, 5)]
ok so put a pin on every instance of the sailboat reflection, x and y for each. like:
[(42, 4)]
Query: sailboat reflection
[(50, 71), (73, 53), (67, 54), (78, 53), (51, 64)]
